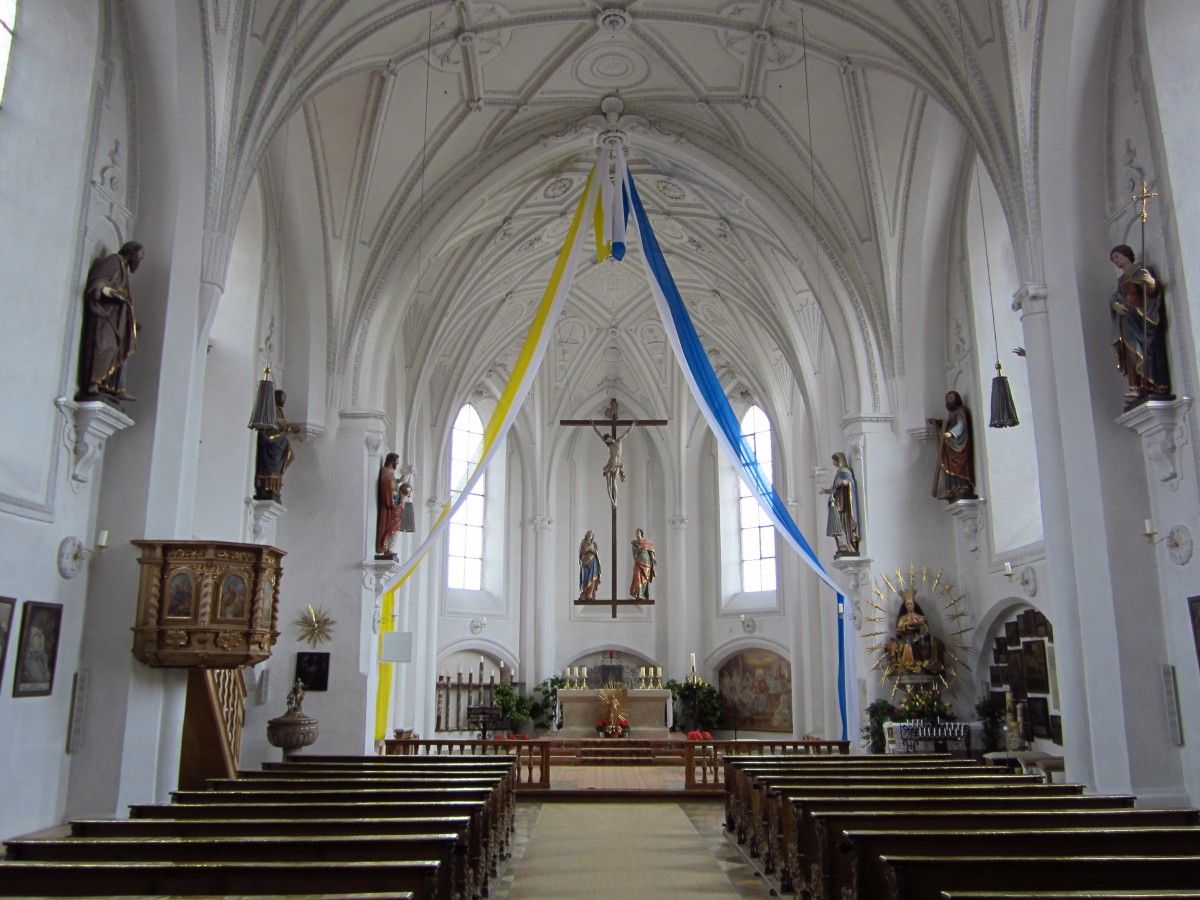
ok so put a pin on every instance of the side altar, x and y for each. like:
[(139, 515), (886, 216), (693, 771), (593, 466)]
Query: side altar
[(649, 713)]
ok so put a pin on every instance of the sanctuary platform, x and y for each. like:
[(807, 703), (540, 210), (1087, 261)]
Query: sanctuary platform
[(648, 712)]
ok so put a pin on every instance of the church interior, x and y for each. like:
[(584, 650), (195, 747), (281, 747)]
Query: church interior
[(386, 235)]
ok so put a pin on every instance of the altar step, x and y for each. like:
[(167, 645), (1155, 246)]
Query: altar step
[(627, 752)]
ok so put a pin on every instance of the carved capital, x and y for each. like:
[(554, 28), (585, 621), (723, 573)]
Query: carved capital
[(969, 514), (89, 426), (1030, 299), (1161, 427), (542, 523), (678, 521)]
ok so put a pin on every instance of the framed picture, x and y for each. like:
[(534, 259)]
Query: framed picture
[(233, 597), (999, 676), (7, 606), (1056, 729), (1000, 656), (1037, 675), (181, 591), (1016, 674), (313, 670), (38, 649), (1194, 609), (1039, 717), (1027, 623), (1043, 625), (1012, 634)]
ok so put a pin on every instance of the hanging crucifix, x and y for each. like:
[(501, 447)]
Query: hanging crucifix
[(614, 474)]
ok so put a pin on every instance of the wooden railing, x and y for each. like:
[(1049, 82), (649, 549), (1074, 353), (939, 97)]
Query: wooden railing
[(707, 757), (212, 726), (702, 760), (532, 756)]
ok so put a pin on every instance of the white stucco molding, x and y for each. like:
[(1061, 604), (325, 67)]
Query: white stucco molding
[(263, 515), (858, 577), (969, 514), (90, 424), (1162, 429)]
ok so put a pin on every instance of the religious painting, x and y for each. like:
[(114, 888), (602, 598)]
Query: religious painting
[(181, 593), (756, 687), (1043, 625), (1039, 717), (999, 676), (232, 595), (1016, 674), (7, 606), (37, 651), (1027, 624), (1056, 729), (1037, 675), (313, 670), (1012, 634), (1000, 655), (1194, 609)]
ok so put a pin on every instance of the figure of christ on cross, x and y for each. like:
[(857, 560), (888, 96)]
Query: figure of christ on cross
[(613, 470)]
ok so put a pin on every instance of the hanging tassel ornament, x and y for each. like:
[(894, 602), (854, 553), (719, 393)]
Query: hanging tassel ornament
[(262, 418), (1004, 410)]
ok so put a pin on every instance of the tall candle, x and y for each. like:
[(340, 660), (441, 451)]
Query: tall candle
[(1149, 527), (585, 671), (693, 662), (641, 671), (660, 671), (1008, 568)]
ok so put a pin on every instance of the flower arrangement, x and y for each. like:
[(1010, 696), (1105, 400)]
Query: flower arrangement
[(616, 728), (699, 736), (926, 704)]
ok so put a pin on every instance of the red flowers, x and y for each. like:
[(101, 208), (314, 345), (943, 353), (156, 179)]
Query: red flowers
[(699, 736)]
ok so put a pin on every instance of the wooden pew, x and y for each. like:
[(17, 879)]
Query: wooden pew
[(458, 825), (1177, 894), (484, 847), (865, 876), (770, 810), (740, 779), (445, 849), (802, 849), (393, 879), (926, 877), (835, 823)]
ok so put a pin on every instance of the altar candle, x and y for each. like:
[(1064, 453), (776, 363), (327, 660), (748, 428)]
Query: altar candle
[(660, 672), (693, 662), (102, 542), (1008, 568), (1149, 527), (585, 671), (641, 671), (567, 672)]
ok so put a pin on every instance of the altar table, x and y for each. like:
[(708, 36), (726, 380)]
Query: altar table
[(648, 712)]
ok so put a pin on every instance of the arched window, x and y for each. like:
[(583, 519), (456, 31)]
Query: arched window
[(757, 532), (465, 569), (8, 18)]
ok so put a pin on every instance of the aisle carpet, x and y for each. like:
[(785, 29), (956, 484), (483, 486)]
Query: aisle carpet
[(631, 851)]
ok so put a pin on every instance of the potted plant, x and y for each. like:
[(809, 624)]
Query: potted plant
[(697, 705), (514, 707), (878, 712), (543, 707)]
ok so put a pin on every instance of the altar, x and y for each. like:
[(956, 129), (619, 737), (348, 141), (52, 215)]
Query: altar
[(649, 713)]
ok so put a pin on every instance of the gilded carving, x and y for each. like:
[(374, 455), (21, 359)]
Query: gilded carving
[(176, 638)]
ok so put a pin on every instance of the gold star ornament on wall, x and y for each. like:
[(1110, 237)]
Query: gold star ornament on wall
[(315, 626)]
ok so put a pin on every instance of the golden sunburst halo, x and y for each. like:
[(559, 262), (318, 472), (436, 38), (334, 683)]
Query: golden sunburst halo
[(315, 626)]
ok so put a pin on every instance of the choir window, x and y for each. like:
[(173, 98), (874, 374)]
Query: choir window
[(465, 570), (757, 532)]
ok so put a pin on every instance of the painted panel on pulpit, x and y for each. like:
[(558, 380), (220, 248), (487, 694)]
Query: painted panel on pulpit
[(756, 691)]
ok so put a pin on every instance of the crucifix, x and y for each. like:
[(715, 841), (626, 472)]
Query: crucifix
[(614, 473)]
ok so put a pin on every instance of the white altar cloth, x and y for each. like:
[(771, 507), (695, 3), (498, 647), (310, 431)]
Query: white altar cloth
[(649, 713)]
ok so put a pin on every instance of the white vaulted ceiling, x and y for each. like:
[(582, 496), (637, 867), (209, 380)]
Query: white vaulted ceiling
[(442, 147)]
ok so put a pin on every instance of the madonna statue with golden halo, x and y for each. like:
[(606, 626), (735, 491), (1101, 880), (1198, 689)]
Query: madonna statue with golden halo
[(908, 650)]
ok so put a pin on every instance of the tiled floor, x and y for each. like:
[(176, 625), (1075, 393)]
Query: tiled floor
[(740, 876)]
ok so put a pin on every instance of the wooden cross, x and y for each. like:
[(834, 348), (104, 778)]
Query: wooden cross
[(613, 422)]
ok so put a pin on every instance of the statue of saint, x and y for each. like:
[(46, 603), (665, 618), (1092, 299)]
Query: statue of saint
[(613, 468), (955, 476), (109, 327), (1139, 330), (644, 563), (295, 698), (914, 649), (274, 455), (408, 521), (842, 524), (589, 567), (387, 511)]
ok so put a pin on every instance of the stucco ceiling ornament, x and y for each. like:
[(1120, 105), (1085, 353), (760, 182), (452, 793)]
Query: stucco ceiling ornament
[(612, 124), (743, 44), (470, 39), (909, 653)]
